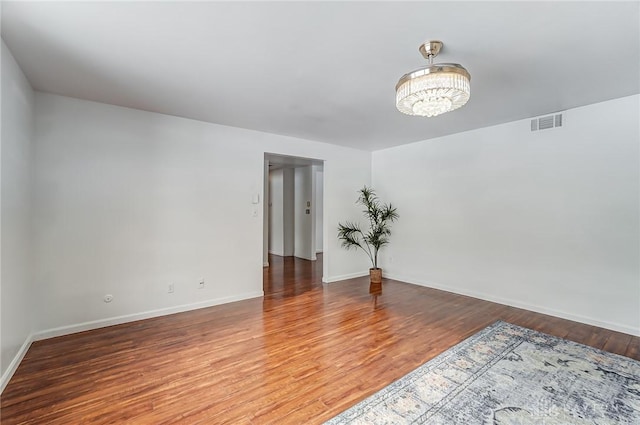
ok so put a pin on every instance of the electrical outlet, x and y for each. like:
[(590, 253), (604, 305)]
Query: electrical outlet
[(170, 290), (201, 283)]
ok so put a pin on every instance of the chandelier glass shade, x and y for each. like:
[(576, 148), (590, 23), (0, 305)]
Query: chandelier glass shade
[(435, 89)]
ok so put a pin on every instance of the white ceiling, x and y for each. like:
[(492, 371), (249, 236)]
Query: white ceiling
[(327, 71)]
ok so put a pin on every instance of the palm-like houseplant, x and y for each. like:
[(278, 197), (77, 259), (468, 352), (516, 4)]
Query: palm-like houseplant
[(380, 217)]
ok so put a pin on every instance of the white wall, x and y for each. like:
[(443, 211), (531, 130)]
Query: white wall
[(265, 216), (276, 220), (545, 220), (318, 209), (281, 222), (304, 224), (17, 299), (288, 199), (129, 201)]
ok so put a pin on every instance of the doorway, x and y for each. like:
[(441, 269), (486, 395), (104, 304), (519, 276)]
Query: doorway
[(293, 221)]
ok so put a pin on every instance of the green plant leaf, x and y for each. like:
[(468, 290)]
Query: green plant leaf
[(380, 217)]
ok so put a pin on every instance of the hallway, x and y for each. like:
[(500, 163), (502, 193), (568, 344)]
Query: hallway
[(290, 276)]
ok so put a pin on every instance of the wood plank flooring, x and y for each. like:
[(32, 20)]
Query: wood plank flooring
[(300, 355)]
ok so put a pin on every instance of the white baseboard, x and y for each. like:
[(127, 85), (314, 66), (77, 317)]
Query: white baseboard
[(630, 330), (344, 277), (13, 366), (311, 258), (101, 323)]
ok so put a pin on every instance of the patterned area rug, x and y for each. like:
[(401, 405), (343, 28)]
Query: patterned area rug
[(507, 374)]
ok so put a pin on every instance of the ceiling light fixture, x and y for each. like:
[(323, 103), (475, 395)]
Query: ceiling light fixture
[(435, 89)]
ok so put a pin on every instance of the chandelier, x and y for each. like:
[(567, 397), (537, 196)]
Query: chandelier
[(434, 89)]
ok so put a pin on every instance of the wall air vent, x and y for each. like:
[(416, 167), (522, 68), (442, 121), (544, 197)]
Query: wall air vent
[(549, 121)]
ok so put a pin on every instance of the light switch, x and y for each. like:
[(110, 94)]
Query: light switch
[(255, 199)]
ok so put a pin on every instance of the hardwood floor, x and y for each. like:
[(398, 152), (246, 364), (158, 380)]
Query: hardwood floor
[(300, 355)]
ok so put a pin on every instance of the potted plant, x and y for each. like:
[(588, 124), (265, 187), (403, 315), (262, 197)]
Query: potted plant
[(380, 217)]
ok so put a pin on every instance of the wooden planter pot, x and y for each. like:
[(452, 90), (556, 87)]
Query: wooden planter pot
[(375, 287)]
